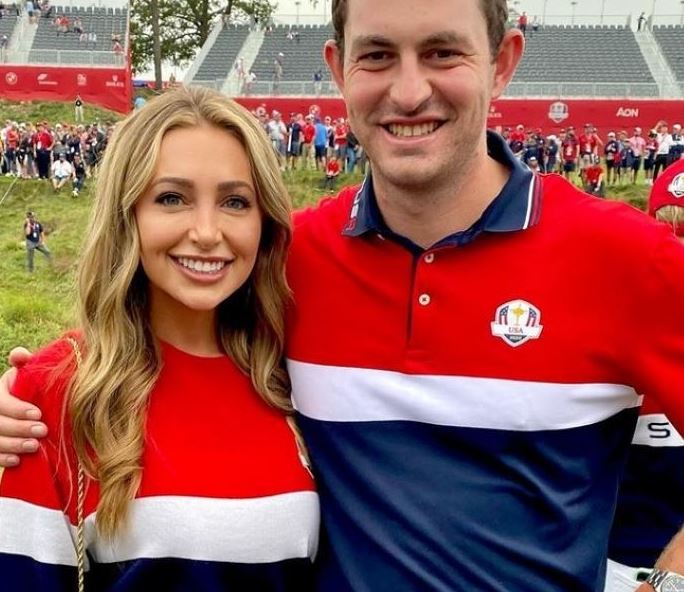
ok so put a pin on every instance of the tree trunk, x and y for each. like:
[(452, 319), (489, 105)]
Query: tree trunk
[(156, 44)]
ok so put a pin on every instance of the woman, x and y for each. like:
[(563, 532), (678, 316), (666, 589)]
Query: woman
[(181, 292)]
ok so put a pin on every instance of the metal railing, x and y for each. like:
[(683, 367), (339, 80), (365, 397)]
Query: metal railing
[(553, 90), (64, 57), (586, 89)]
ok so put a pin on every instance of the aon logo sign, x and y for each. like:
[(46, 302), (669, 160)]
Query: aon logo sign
[(627, 112)]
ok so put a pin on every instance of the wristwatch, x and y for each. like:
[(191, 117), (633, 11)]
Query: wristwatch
[(666, 581)]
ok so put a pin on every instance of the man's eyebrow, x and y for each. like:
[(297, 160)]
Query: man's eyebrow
[(370, 40), (439, 38), (443, 38)]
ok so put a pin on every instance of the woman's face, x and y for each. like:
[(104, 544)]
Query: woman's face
[(199, 221)]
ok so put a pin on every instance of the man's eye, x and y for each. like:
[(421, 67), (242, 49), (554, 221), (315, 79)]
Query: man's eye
[(374, 56), (443, 54), (169, 199)]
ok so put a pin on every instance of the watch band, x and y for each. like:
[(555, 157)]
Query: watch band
[(658, 576)]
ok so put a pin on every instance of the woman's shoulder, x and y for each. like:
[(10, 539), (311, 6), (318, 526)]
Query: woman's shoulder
[(45, 378)]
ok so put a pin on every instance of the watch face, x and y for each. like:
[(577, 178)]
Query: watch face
[(672, 583)]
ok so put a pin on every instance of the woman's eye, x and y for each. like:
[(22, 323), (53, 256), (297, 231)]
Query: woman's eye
[(169, 199), (236, 203)]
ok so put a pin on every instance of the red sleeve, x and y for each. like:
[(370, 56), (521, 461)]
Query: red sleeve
[(37, 546), (657, 347)]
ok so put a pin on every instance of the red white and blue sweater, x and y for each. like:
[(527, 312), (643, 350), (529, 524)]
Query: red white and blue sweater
[(225, 504)]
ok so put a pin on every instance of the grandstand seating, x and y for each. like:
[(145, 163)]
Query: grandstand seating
[(8, 22), (302, 57), (223, 53), (103, 21), (670, 39), (585, 54)]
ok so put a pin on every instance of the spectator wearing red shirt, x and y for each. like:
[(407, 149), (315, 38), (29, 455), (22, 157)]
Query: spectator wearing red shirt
[(569, 150), (517, 139), (43, 142), (588, 146), (332, 171), (522, 23), (340, 138), (309, 131), (594, 178), (11, 145)]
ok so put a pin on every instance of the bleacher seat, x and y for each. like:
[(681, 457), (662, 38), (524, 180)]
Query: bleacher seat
[(95, 20), (218, 62), (560, 56), (670, 41), (302, 57)]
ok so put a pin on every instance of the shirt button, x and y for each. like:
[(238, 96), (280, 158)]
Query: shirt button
[(424, 299), (429, 258)]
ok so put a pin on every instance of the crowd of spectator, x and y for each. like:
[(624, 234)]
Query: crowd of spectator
[(313, 142), (60, 153), (617, 159)]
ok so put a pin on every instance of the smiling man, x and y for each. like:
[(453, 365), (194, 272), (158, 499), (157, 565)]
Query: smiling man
[(465, 369), (466, 361)]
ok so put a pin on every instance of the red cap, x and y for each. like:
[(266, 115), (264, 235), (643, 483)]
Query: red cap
[(668, 190)]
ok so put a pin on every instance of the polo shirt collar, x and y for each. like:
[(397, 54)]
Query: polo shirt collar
[(515, 208)]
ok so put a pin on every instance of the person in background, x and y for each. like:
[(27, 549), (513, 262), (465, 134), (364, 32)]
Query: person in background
[(677, 146), (35, 240), (611, 154), (62, 172), (594, 178), (650, 506), (79, 175), (650, 155), (332, 171)]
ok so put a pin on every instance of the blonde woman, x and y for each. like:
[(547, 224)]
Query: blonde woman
[(181, 291)]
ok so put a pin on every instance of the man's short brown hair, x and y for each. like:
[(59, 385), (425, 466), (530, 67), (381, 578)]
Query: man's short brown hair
[(495, 12)]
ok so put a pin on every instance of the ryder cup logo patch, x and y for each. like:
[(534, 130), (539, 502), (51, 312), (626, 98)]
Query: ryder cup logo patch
[(516, 322), (676, 188)]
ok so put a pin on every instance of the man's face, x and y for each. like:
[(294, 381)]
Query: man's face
[(417, 78)]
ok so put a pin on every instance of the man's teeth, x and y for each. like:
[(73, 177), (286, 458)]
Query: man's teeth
[(408, 131), (202, 266)]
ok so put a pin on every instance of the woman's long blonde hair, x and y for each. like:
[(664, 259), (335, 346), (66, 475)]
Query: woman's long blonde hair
[(109, 394)]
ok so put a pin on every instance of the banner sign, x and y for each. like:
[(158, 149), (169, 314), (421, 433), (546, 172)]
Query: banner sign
[(550, 115), (106, 87)]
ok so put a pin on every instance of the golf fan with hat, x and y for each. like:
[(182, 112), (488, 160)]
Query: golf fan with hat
[(668, 190)]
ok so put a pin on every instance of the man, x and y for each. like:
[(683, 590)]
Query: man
[(677, 146), (277, 132), (459, 362), (650, 506), (611, 153), (664, 139), (79, 175), (637, 144), (43, 142), (294, 142), (61, 172), (588, 146), (594, 175), (569, 152), (308, 134), (35, 240), (320, 144)]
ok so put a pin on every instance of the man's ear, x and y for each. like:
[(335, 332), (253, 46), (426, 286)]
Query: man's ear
[(335, 60), (507, 60)]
